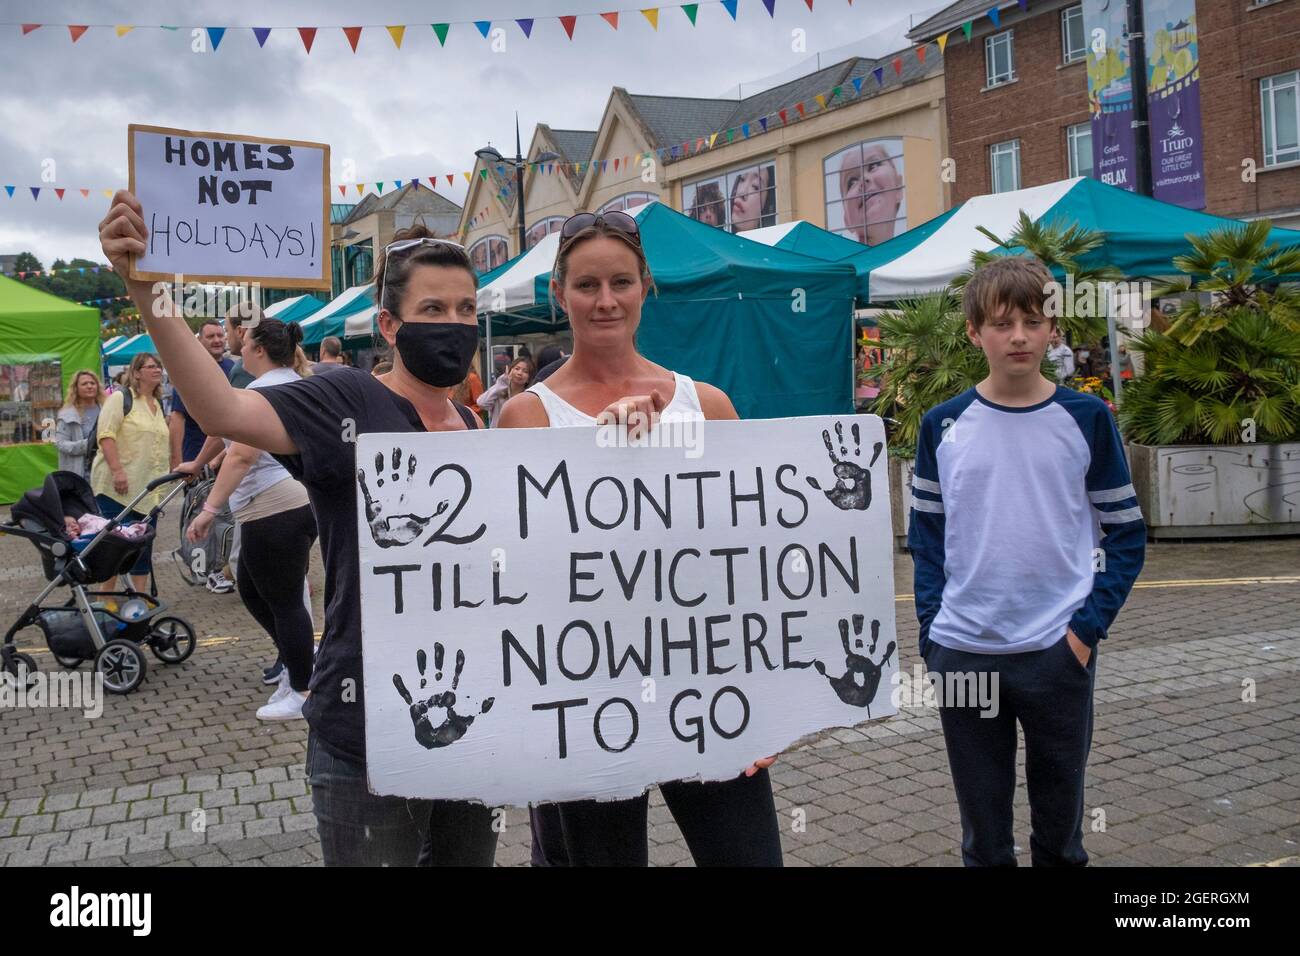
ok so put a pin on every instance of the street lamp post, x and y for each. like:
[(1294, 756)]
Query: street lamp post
[(490, 155)]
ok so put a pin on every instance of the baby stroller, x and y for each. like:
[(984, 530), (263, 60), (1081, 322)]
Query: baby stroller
[(107, 627)]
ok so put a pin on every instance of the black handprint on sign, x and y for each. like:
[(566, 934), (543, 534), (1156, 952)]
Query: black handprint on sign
[(857, 686), (391, 522), (852, 489), (454, 725)]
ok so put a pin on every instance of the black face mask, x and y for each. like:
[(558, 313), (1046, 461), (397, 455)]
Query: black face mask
[(437, 353)]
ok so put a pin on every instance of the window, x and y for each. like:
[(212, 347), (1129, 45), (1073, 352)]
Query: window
[(999, 65), (1280, 108), (627, 201), (865, 196), (741, 199), (540, 230), (1073, 44), (359, 262), (1078, 141), (1004, 159), (488, 253)]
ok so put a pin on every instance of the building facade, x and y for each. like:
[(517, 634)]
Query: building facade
[(854, 147), (1018, 112)]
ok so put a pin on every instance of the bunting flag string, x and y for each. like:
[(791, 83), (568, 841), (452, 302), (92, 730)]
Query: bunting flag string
[(37, 273), (823, 100), (352, 34)]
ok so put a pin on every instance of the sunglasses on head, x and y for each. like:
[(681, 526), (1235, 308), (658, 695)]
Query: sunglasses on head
[(405, 245), (618, 221)]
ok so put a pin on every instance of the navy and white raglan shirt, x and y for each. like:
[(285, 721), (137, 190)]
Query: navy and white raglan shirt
[(1009, 507)]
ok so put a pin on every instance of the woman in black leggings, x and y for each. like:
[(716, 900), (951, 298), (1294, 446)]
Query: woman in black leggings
[(276, 524)]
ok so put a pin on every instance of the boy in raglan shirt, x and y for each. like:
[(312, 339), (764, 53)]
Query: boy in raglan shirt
[(1026, 538)]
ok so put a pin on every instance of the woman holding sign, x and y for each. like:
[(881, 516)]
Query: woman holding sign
[(425, 288), (601, 278)]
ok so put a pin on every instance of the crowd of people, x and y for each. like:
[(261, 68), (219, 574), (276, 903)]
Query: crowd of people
[(289, 476)]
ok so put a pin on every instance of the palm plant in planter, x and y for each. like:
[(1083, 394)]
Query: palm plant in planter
[(1222, 364), (928, 360)]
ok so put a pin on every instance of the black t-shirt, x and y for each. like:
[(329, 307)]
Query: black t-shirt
[(315, 412)]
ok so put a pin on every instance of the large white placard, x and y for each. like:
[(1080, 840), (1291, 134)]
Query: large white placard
[(221, 208), (547, 616)]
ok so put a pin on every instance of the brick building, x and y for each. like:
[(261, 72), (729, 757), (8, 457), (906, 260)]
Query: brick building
[(1017, 99)]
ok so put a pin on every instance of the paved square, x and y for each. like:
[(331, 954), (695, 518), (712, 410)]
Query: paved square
[(1195, 760)]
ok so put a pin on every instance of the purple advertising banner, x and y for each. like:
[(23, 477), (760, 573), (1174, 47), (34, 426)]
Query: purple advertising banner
[(1174, 102), (1110, 93)]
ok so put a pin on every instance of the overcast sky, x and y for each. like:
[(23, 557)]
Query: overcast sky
[(419, 111)]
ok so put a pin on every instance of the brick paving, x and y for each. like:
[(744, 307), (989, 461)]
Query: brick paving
[(1196, 755)]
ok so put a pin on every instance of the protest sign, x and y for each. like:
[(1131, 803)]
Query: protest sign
[(220, 207), (549, 616)]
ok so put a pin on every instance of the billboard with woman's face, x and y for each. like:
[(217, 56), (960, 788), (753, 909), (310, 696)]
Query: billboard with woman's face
[(488, 253), (865, 197), (738, 200)]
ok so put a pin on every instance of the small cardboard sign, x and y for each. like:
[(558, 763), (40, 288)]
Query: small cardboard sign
[(220, 207)]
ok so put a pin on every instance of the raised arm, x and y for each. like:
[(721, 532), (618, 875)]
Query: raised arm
[(241, 415)]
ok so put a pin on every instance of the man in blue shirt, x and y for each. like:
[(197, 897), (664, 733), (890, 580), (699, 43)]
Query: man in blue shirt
[(187, 437), (1026, 537)]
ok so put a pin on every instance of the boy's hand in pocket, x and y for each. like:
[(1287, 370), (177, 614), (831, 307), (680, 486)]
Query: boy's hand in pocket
[(1081, 650)]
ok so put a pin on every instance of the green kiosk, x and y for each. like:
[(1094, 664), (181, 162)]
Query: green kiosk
[(44, 342)]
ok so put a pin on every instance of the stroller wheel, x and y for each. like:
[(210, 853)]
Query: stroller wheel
[(123, 665), (71, 663), (21, 666), (171, 639)]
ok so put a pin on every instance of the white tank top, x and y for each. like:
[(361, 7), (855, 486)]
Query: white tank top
[(685, 405)]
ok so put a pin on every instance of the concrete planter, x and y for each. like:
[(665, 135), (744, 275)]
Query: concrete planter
[(1203, 491), (900, 498)]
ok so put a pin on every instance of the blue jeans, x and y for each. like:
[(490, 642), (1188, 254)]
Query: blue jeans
[(1050, 694), (358, 828)]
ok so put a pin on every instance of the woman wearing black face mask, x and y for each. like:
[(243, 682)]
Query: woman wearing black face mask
[(426, 291)]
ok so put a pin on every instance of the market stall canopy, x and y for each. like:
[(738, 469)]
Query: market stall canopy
[(36, 327), (771, 328), (296, 309), (806, 239), (129, 348), (1143, 235), (351, 310)]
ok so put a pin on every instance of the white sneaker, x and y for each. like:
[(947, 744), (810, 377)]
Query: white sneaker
[(218, 583), (283, 689), (288, 707)]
